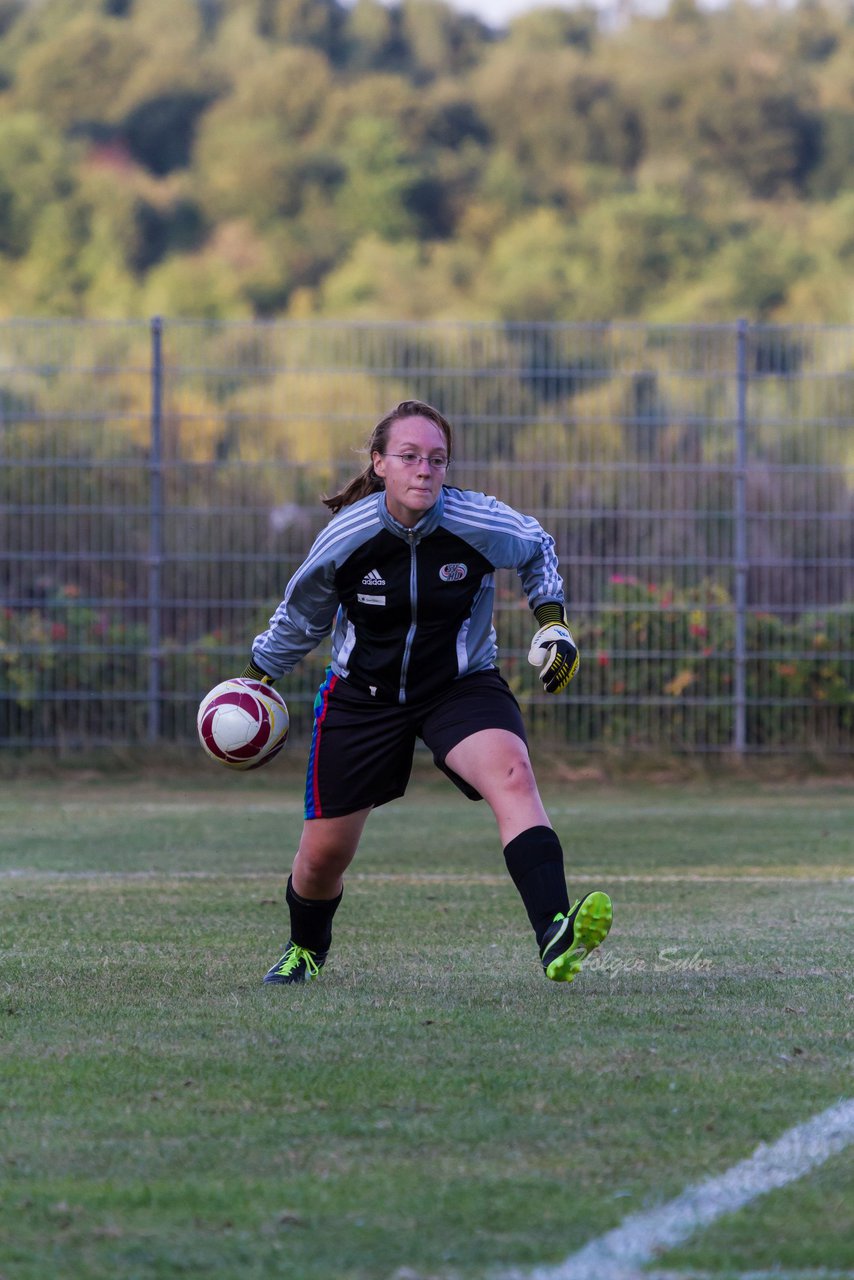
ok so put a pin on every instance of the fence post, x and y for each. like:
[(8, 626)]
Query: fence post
[(740, 565), (155, 530)]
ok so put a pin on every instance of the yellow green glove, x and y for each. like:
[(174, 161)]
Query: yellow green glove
[(553, 650)]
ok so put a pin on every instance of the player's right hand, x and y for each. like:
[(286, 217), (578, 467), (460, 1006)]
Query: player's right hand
[(255, 673)]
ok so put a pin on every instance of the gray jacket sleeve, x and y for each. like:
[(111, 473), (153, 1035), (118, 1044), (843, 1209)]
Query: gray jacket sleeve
[(310, 604), (304, 617), (509, 539)]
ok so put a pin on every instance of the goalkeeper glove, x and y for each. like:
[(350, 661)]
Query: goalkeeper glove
[(255, 673), (553, 649)]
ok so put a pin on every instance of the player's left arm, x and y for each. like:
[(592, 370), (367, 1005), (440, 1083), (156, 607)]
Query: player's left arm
[(511, 540), (553, 650)]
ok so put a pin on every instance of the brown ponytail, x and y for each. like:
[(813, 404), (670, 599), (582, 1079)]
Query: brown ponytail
[(368, 481), (365, 482)]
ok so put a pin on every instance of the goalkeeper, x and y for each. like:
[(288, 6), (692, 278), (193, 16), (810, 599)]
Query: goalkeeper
[(403, 578)]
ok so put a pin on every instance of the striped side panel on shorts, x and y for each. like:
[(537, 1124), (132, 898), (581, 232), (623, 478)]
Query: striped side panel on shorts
[(313, 807)]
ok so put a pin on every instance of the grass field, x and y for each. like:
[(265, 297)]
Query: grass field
[(432, 1106)]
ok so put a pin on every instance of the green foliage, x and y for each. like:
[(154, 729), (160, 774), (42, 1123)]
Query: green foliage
[(438, 39), (834, 167), (635, 249), (664, 157), (373, 38), (35, 172), (311, 22), (160, 131), (378, 194), (75, 79), (571, 114), (545, 29), (759, 129), (530, 268)]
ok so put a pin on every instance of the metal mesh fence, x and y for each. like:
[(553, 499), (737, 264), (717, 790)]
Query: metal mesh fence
[(159, 482)]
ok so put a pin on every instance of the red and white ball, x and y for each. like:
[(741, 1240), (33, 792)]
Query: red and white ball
[(243, 723)]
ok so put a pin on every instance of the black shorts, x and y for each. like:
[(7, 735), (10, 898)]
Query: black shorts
[(361, 750)]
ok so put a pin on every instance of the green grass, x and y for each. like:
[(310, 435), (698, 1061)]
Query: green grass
[(431, 1106)]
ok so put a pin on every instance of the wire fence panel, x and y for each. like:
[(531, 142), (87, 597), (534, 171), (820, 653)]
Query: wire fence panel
[(160, 482)]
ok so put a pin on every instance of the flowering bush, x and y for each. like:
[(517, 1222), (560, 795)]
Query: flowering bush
[(57, 654), (658, 670), (660, 662)]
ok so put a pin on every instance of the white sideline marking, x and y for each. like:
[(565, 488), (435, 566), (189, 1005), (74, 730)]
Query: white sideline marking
[(830, 875), (785, 1274), (621, 1253)]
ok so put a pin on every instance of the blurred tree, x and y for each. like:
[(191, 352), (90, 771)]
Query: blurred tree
[(236, 43), (144, 221), (38, 23), (751, 274), (160, 131), (287, 88), (169, 88), (550, 109), (528, 274), (290, 85), (264, 186), (76, 77), (450, 119), (816, 30), (834, 168), (763, 268), (380, 95), (199, 286), (263, 122), (761, 127), (546, 29), (313, 22), (633, 249), (173, 29), (439, 40), (10, 11), (380, 190), (35, 172), (561, 168), (53, 278), (403, 279), (373, 39), (440, 145)]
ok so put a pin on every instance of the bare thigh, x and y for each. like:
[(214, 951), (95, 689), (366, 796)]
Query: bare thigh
[(496, 763), (326, 849)]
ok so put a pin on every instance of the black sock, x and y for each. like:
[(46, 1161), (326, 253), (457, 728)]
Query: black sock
[(311, 919), (535, 861)]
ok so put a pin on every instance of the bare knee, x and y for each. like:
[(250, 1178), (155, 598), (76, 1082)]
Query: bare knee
[(323, 858), (514, 797), (518, 776), (326, 849)]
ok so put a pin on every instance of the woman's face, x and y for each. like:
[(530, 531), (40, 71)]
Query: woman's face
[(411, 487)]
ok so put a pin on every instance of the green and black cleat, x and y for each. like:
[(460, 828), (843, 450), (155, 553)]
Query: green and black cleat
[(298, 964), (573, 936)]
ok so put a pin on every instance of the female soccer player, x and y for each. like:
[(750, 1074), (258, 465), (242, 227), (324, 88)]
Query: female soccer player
[(403, 576)]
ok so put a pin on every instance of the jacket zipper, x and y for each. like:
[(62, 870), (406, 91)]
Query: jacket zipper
[(413, 602)]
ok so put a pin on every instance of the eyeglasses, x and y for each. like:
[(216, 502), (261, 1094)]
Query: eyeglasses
[(435, 461)]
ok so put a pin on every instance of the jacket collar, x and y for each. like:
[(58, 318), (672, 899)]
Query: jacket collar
[(429, 522)]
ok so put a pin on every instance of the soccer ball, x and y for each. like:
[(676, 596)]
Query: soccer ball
[(243, 723)]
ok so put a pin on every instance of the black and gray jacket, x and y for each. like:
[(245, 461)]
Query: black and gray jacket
[(410, 609)]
